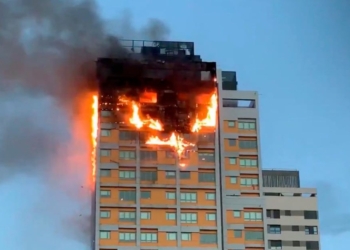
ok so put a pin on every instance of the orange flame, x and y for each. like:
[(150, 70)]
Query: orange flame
[(135, 118), (94, 129), (210, 119), (139, 123), (174, 141)]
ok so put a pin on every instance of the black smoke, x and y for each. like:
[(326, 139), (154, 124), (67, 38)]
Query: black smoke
[(47, 54)]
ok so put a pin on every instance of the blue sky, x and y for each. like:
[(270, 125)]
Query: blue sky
[(296, 54)]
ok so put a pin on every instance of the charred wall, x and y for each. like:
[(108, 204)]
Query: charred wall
[(166, 79)]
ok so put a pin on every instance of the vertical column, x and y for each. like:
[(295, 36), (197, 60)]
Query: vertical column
[(138, 192), (219, 154), (178, 201), (96, 194)]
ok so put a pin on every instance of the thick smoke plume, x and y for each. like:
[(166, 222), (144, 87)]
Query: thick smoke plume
[(47, 54)]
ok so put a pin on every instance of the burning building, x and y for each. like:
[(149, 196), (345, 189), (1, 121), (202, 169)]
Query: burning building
[(177, 153)]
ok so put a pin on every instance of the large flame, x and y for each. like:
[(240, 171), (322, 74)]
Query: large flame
[(174, 141), (139, 123), (210, 119), (94, 130)]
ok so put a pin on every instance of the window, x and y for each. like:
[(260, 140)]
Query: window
[(105, 172), (249, 182), (125, 135), (105, 214), (310, 215), (232, 142), (296, 243), (232, 160), (311, 230), (148, 155), (127, 216), (206, 177), (145, 215), (188, 218), (106, 113), (170, 174), (248, 162), (210, 216), (207, 157), (105, 193), (127, 236), (210, 196), (312, 245), (127, 155), (237, 233), (188, 197), (171, 216), (149, 237), (252, 216), (231, 124), (105, 234), (206, 138), (248, 144), (288, 213), (186, 236), (105, 152), (295, 228), (237, 214), (127, 195), (171, 236), (274, 229), (253, 235), (148, 175), (246, 125), (185, 175), (169, 154), (127, 174), (233, 179), (208, 238), (275, 244), (145, 194), (273, 214), (170, 195), (105, 132)]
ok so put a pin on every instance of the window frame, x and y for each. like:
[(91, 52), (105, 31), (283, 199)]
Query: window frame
[(208, 194), (105, 132), (106, 232), (107, 172), (168, 197), (149, 237), (107, 212), (210, 216), (131, 173), (185, 195), (131, 155), (131, 236), (145, 215), (189, 238), (253, 216), (107, 195)]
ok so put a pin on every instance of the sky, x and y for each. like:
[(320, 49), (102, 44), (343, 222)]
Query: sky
[(295, 53)]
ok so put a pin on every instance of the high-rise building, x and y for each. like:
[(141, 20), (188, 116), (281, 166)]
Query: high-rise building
[(291, 212), (178, 163)]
